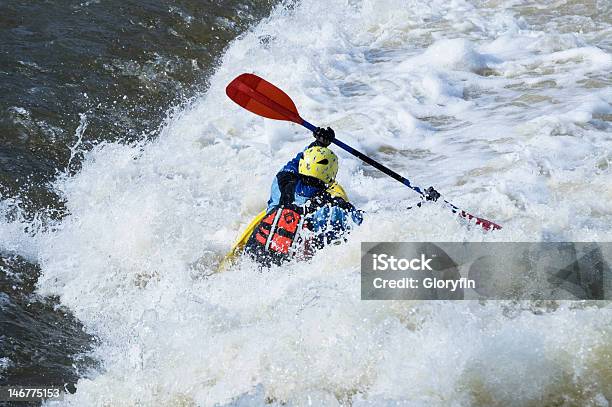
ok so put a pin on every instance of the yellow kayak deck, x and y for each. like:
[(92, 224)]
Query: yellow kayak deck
[(236, 249)]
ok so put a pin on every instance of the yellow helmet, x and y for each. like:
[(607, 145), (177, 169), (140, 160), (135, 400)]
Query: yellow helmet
[(320, 163)]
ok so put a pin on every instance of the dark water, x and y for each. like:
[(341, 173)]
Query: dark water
[(120, 66)]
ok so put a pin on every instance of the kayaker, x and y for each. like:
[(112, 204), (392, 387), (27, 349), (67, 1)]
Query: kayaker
[(307, 208)]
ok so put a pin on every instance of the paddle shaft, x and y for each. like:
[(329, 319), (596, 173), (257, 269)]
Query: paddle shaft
[(398, 177)]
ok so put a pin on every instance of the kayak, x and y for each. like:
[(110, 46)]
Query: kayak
[(237, 247)]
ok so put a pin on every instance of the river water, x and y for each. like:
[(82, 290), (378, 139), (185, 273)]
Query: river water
[(127, 173)]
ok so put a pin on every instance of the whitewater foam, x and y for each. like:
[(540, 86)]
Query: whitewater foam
[(504, 115)]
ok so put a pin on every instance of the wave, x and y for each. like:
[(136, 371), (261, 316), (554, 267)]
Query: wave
[(504, 114)]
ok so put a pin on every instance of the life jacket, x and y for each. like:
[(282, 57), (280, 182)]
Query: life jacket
[(277, 237)]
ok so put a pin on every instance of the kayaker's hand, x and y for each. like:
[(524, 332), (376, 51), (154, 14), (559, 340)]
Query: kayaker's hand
[(431, 194), (324, 136)]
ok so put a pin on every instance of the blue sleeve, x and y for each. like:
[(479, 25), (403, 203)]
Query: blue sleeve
[(292, 167), (330, 223), (274, 195)]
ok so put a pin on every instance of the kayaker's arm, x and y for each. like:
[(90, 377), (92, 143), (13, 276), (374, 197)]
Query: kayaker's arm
[(287, 182), (349, 208), (332, 223)]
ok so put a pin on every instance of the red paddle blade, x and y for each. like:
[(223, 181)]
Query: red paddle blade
[(261, 97)]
